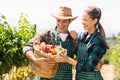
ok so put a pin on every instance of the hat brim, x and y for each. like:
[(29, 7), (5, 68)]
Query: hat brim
[(63, 17)]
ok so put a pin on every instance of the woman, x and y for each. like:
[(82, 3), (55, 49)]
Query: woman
[(92, 46)]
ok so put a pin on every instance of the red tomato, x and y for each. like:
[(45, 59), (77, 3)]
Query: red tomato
[(52, 46), (53, 51)]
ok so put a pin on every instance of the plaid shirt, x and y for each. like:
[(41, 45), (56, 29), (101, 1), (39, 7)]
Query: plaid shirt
[(96, 50), (47, 36)]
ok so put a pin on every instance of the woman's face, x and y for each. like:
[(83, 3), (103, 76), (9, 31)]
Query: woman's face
[(62, 25), (88, 22)]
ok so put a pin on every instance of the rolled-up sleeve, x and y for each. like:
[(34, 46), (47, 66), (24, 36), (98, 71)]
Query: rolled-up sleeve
[(29, 45)]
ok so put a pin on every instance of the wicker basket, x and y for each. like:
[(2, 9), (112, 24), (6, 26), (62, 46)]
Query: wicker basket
[(41, 71)]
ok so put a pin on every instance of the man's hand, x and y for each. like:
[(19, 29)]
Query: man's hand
[(44, 63), (73, 34)]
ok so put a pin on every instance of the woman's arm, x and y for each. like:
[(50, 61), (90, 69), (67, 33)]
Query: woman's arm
[(65, 58), (71, 61)]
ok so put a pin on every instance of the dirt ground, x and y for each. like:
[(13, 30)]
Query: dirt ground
[(107, 72)]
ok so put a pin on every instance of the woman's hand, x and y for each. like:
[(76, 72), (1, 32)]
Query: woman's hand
[(73, 34), (98, 67), (61, 58)]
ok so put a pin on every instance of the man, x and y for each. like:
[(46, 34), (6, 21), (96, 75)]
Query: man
[(59, 36)]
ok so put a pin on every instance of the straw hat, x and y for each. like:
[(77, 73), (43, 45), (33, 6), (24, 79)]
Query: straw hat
[(64, 13)]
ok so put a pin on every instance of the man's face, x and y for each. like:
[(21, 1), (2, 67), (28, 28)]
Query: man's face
[(62, 25)]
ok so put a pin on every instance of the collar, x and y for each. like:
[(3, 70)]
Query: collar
[(68, 37)]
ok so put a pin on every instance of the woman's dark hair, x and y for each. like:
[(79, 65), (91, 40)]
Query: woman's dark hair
[(95, 13)]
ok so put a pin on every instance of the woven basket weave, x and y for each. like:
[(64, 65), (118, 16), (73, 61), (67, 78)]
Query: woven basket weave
[(41, 71)]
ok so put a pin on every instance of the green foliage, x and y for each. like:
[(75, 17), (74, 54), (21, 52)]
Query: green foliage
[(115, 55), (106, 57), (20, 73), (114, 58), (118, 38), (11, 42)]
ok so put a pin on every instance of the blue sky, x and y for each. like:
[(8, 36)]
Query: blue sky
[(39, 12)]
